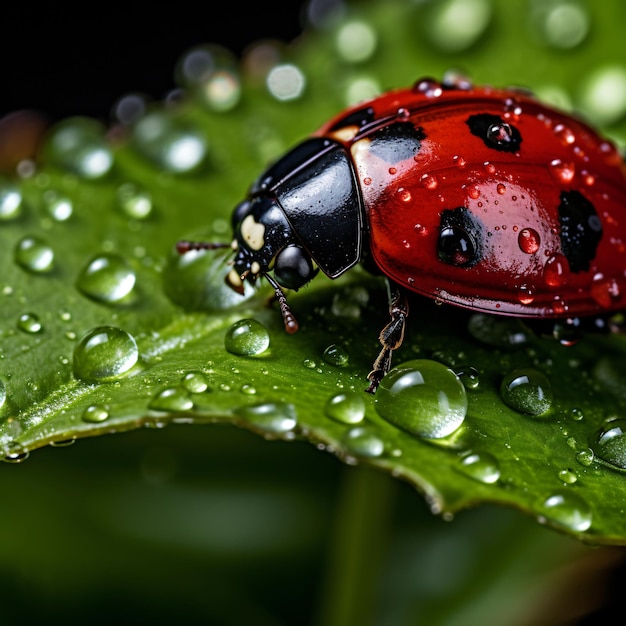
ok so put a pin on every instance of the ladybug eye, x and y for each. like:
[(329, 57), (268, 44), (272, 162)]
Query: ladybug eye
[(457, 247), (293, 267)]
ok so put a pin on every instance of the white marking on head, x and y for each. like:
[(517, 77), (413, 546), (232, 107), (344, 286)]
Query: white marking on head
[(253, 233)]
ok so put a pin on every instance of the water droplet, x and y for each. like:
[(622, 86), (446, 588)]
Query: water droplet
[(272, 417), (95, 413), (59, 208), (527, 390), (169, 142), (576, 414), (247, 337), (171, 399), (525, 294), (15, 453), (104, 353), (107, 278), (605, 291), (567, 476), (63, 443), (423, 397), (610, 444), (195, 382), (363, 441), (285, 82), (29, 323), (585, 457), (310, 364), (356, 41), (428, 181), (10, 200), (480, 466), (469, 376), (568, 510), (556, 270), (78, 144), (348, 408), (34, 254), (563, 171), (529, 240), (336, 355), (136, 203)]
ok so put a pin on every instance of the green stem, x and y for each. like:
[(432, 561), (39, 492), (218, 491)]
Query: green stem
[(357, 547)]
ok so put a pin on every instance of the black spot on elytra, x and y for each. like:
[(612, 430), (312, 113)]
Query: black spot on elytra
[(497, 133), (356, 118), (397, 142), (581, 230), (461, 237)]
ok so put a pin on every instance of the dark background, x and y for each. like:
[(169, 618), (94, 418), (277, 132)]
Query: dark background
[(61, 63)]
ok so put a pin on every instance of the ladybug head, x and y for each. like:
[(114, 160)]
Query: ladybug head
[(265, 242)]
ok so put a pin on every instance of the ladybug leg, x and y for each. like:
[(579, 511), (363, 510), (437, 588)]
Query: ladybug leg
[(390, 337)]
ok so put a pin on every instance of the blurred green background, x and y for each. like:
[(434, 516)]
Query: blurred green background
[(213, 525)]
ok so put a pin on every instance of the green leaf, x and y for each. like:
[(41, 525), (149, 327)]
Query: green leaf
[(105, 328)]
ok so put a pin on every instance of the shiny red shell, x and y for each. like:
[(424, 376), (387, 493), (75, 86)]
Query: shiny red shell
[(538, 195)]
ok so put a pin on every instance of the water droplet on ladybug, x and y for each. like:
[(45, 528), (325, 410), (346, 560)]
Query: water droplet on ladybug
[(563, 171), (529, 240), (392, 171), (605, 291), (473, 192), (559, 306), (404, 194), (490, 168), (459, 161), (429, 87), (556, 270), (564, 134), (429, 181), (501, 189), (525, 294), (367, 180)]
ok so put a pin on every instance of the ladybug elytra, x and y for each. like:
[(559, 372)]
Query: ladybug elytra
[(476, 197)]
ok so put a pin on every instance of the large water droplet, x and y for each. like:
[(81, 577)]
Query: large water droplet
[(169, 142), (104, 354), (610, 444), (423, 397), (107, 278), (171, 399), (95, 414), (568, 510), (527, 390), (247, 338), (336, 355), (195, 382), (79, 145), (272, 418), (34, 254), (348, 408)]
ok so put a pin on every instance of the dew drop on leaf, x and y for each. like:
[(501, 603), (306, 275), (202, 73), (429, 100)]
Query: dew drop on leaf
[(610, 443), (195, 382), (272, 417), (34, 254), (29, 323), (107, 278), (527, 391), (247, 337), (423, 397), (568, 510), (95, 414), (171, 399), (481, 466), (335, 355), (363, 441), (348, 407), (105, 353)]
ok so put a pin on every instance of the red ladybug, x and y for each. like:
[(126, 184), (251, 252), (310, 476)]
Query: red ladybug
[(477, 197)]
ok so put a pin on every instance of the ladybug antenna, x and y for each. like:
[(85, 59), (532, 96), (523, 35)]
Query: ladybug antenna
[(186, 246), (291, 323)]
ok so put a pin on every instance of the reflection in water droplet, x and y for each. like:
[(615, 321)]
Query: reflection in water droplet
[(34, 254), (423, 397), (29, 323), (348, 408), (363, 441), (107, 278), (568, 510), (480, 466), (171, 399), (95, 413), (104, 354), (272, 418), (528, 391), (247, 338)]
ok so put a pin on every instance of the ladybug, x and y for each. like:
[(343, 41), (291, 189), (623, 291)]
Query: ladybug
[(474, 196)]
